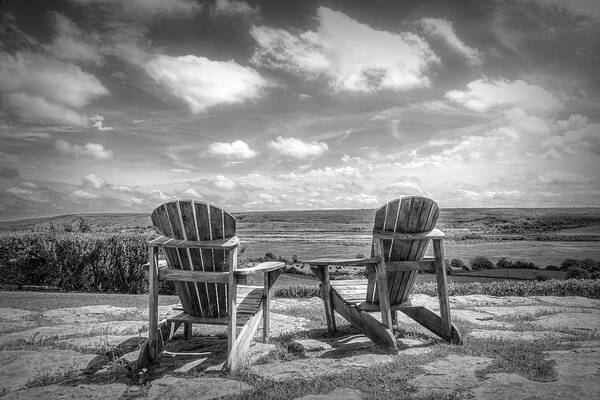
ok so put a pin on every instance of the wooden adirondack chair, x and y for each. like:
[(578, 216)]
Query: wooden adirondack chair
[(402, 231), (200, 246)]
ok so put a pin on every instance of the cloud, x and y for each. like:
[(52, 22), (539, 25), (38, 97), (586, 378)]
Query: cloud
[(45, 90), (94, 181), (484, 94), (85, 195), (223, 183), (562, 177), (443, 29), (297, 148), (237, 149), (588, 8), (232, 8), (72, 44), (94, 150), (149, 8), (96, 121), (203, 83), (352, 55), (579, 137)]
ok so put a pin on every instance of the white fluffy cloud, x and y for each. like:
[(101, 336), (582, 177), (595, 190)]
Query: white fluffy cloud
[(298, 148), (94, 181), (223, 183), (97, 122), (232, 8), (483, 94), (46, 90), (354, 56), (236, 149), (94, 150), (443, 29), (203, 83)]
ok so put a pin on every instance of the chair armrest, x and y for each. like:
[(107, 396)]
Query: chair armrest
[(262, 267), (161, 265), (164, 241), (342, 261), (433, 234)]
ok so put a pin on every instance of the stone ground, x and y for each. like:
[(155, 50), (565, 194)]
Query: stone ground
[(87, 352)]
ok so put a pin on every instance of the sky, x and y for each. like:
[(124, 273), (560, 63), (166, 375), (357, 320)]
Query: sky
[(119, 106)]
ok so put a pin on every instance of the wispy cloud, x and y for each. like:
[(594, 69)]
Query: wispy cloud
[(444, 30), (45, 90), (93, 150), (484, 93)]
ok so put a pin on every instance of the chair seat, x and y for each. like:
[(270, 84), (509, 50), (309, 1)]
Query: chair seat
[(249, 300), (354, 292)]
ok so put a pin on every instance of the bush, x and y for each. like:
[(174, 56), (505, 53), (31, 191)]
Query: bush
[(568, 263), (572, 287), (520, 264), (457, 263), (577, 273), (503, 262), (552, 268), (70, 261), (589, 265), (480, 262)]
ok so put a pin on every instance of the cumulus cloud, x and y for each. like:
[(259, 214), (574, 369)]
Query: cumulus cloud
[(94, 150), (562, 177), (46, 90), (236, 149), (203, 83), (444, 30), (72, 44), (223, 183), (96, 121), (298, 148), (483, 94), (94, 181), (353, 56), (233, 8)]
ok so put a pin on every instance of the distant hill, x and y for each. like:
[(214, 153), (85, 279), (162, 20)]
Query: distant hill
[(129, 222)]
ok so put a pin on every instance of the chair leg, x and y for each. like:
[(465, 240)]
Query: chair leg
[(266, 306), (153, 306), (440, 273), (394, 317), (187, 330)]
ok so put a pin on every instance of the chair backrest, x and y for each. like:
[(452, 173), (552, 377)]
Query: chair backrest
[(413, 214), (197, 221)]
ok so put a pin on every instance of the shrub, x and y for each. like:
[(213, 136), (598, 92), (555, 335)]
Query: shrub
[(552, 267), (572, 287), (480, 262), (589, 265), (577, 273), (520, 264), (457, 263), (503, 262), (568, 263)]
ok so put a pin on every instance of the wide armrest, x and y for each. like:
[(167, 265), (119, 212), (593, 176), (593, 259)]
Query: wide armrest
[(262, 267), (433, 234), (342, 261), (165, 241)]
